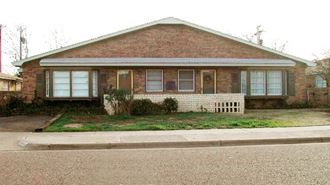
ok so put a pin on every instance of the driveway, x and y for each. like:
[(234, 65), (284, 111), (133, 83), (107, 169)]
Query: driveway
[(23, 123)]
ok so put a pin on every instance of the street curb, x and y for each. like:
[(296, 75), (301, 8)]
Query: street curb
[(48, 123), (180, 144)]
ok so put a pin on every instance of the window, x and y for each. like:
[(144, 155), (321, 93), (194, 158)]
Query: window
[(274, 82), (320, 82), (18, 86), (264, 83), (80, 84), (61, 83), (4, 86), (67, 84), (186, 80), (95, 84), (47, 83), (154, 80), (243, 82), (258, 83)]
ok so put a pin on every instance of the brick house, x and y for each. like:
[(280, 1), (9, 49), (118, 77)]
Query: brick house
[(10, 83), (168, 56)]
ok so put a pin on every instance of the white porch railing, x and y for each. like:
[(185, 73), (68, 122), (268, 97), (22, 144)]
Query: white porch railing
[(223, 103)]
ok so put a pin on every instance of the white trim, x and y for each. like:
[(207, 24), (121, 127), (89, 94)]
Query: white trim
[(47, 84), (169, 20), (95, 80), (162, 90), (246, 81), (208, 62), (190, 90)]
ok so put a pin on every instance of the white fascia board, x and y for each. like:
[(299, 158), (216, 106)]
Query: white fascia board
[(163, 62), (167, 65)]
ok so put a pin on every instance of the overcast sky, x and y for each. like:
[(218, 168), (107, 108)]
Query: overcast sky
[(303, 24)]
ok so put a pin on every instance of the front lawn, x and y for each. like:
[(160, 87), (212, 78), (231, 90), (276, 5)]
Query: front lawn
[(177, 121)]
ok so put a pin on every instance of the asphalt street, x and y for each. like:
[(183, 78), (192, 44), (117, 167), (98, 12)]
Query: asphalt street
[(264, 164)]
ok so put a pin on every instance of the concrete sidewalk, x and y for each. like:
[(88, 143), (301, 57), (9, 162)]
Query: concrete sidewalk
[(173, 139)]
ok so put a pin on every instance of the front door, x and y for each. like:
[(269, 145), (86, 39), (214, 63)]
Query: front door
[(208, 82), (124, 80)]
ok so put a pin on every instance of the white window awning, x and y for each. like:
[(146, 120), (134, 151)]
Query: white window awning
[(164, 62)]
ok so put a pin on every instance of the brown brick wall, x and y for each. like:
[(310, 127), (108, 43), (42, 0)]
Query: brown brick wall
[(300, 85), (319, 96), (30, 70), (166, 41), (316, 96)]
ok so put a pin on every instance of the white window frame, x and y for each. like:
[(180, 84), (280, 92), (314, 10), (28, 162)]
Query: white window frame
[(245, 81), (95, 83), (189, 90), (281, 83), (69, 96), (72, 89), (47, 83), (162, 86), (264, 83)]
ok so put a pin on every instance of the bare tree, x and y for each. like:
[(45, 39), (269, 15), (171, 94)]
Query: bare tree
[(15, 46), (257, 38), (15, 43), (280, 46), (57, 39)]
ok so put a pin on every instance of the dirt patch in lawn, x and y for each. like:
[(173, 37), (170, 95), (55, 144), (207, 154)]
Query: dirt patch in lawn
[(73, 125)]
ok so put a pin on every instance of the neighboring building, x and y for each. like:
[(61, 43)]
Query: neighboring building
[(318, 92), (10, 82), (168, 56), (314, 78)]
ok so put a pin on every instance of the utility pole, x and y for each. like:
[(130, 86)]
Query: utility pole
[(20, 29), (22, 40), (258, 35)]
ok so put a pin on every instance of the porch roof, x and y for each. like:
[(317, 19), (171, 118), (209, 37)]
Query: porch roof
[(164, 62)]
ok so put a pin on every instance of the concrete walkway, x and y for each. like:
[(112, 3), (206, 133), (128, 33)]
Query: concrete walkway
[(178, 138)]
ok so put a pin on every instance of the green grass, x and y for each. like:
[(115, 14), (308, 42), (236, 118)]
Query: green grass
[(177, 121)]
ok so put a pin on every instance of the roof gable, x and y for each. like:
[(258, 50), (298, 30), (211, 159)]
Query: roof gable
[(169, 20)]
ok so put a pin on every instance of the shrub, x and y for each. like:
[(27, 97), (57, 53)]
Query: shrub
[(11, 104), (145, 107), (299, 105), (120, 100), (170, 105), (141, 107)]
